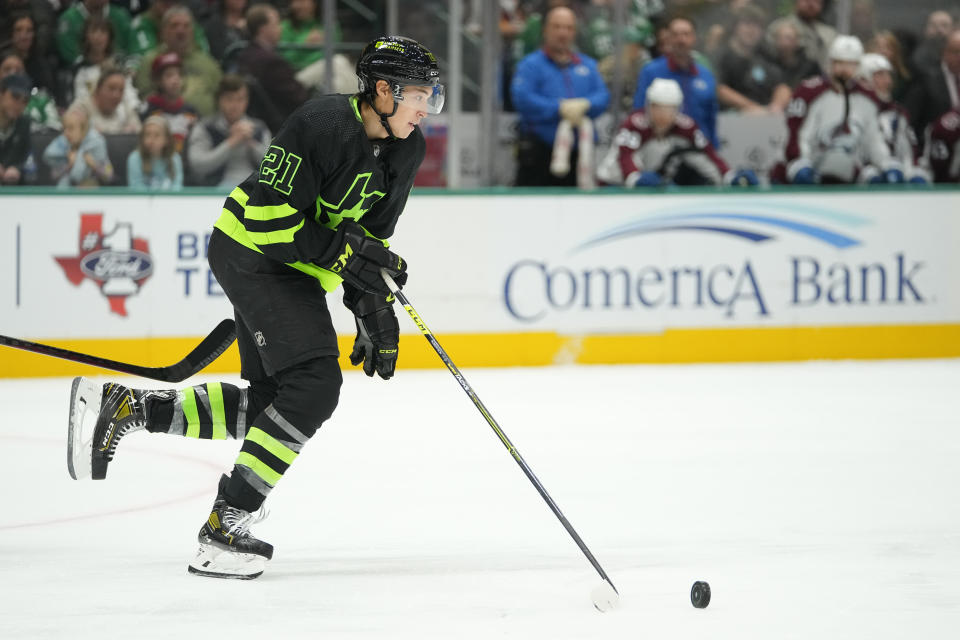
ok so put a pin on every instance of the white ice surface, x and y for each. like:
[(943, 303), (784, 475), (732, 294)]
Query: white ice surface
[(819, 500)]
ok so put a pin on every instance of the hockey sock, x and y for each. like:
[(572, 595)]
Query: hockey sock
[(306, 397), (271, 445), (211, 411)]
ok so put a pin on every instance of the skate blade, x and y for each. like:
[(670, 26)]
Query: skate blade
[(213, 562), (85, 398)]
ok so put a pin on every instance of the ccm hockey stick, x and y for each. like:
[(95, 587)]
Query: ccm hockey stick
[(206, 352), (605, 596)]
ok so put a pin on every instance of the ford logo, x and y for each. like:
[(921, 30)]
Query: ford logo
[(103, 265)]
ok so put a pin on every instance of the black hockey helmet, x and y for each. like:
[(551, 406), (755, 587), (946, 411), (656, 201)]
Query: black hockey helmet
[(402, 62)]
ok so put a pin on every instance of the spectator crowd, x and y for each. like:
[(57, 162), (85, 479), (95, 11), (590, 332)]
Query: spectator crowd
[(153, 94), (875, 105), (159, 94)]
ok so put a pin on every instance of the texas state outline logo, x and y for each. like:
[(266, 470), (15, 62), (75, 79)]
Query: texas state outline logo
[(118, 262)]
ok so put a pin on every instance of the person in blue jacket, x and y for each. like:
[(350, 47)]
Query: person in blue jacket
[(552, 84), (696, 81)]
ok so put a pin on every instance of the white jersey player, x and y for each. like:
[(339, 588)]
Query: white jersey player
[(834, 130), (658, 145), (876, 74)]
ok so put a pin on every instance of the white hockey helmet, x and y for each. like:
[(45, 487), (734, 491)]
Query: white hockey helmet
[(666, 92), (846, 48), (870, 63)]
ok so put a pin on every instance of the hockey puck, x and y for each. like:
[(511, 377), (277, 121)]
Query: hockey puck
[(700, 594)]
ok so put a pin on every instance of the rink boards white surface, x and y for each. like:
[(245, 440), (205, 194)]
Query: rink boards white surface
[(818, 499)]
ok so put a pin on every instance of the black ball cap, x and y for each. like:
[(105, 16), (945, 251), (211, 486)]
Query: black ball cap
[(17, 83)]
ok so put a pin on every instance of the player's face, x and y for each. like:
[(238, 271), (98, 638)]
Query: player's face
[(661, 116), (410, 111), (843, 69), (883, 83)]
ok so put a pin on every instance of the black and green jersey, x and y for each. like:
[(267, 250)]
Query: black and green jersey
[(320, 169)]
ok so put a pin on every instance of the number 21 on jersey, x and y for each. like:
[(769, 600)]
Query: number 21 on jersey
[(278, 168)]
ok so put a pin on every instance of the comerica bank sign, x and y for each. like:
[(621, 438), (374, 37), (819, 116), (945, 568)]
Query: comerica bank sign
[(721, 265)]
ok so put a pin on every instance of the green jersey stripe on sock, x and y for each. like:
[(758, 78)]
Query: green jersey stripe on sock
[(264, 472), (271, 444), (217, 412), (190, 413)]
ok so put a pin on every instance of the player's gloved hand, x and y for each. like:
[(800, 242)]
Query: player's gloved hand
[(919, 180), (573, 109), (744, 178), (806, 175), (649, 179), (357, 259), (378, 333), (893, 176)]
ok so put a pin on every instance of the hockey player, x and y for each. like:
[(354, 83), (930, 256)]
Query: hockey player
[(327, 194), (833, 131), (943, 147), (658, 145), (876, 74)]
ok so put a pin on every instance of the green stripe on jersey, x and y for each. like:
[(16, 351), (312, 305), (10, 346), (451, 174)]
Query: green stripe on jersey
[(269, 212), (282, 236)]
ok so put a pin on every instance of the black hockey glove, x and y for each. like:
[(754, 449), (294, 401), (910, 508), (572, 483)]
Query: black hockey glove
[(378, 332), (357, 259)]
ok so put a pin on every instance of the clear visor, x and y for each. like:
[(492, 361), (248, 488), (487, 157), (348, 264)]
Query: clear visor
[(422, 98)]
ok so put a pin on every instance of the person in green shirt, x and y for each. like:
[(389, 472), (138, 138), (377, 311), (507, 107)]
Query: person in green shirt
[(145, 29), (302, 36), (70, 27)]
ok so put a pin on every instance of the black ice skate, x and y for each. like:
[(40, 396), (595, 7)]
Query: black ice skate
[(100, 415), (227, 549)]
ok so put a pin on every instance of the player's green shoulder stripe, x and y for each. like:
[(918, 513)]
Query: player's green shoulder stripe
[(240, 196), (355, 103)]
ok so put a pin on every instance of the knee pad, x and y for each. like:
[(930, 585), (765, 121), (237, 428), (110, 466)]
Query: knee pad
[(308, 393)]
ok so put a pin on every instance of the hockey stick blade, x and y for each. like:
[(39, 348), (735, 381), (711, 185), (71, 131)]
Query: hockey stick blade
[(203, 354)]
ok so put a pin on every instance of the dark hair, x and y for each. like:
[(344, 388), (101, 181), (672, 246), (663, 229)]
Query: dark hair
[(229, 83), (96, 22), (257, 16), (16, 17), (106, 71)]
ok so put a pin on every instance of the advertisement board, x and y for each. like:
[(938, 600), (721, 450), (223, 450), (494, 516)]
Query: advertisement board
[(533, 279)]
